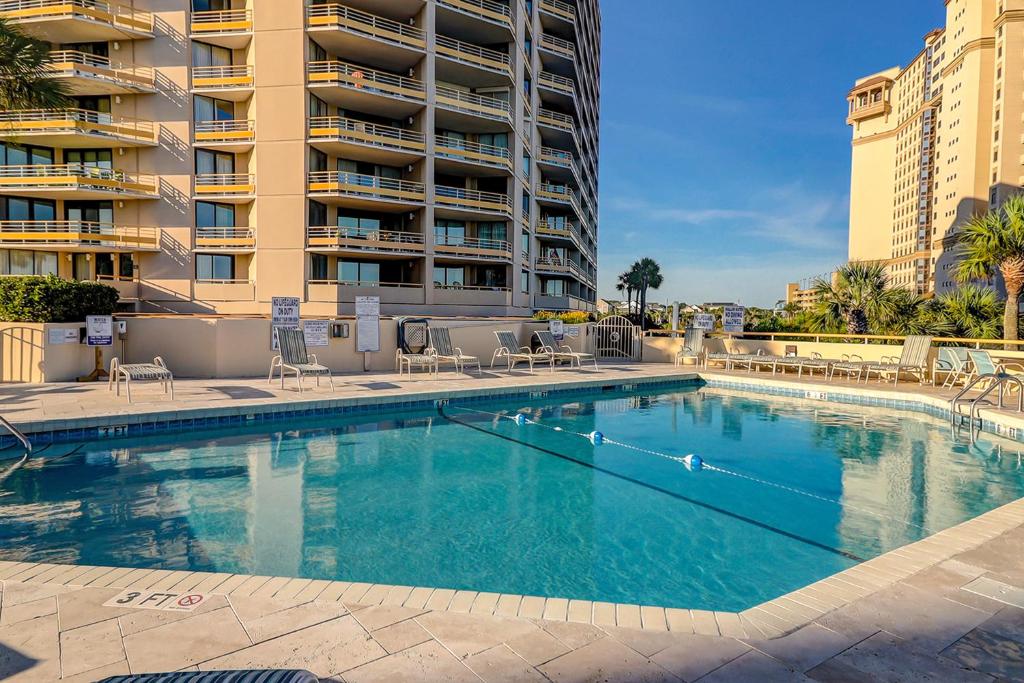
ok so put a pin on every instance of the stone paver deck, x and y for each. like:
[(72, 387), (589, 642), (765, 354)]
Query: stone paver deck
[(945, 609)]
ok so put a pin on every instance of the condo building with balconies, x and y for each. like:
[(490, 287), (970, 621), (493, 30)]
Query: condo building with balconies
[(439, 154)]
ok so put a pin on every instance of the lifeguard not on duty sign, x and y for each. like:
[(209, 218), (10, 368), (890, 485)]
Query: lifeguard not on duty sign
[(160, 600)]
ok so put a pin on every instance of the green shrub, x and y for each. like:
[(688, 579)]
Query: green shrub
[(49, 299), (569, 318)]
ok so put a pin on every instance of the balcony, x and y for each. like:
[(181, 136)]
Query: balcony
[(557, 90), (78, 21), (472, 200), (345, 292), (559, 194), (558, 46), (472, 247), (127, 287), (227, 28), (78, 236), (224, 290), (473, 104), (227, 240), (87, 74), (375, 92), (232, 188), (228, 136), (560, 165), (549, 230), (464, 295), (332, 238), (360, 190), (234, 82), (493, 19), (472, 153), (75, 128), (347, 31), (560, 266), (355, 139), (75, 181), (473, 56), (563, 302)]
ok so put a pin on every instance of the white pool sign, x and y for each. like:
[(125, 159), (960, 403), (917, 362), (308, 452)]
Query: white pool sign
[(99, 330), (368, 324), (167, 601), (557, 328), (732, 319), (704, 321), (316, 332), (284, 312)]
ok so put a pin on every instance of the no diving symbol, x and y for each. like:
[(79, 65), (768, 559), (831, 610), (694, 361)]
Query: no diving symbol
[(159, 600), (187, 601)]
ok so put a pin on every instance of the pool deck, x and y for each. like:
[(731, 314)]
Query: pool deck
[(950, 607)]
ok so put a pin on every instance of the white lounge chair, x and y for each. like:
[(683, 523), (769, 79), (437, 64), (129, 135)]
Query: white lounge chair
[(295, 358), (913, 360), (952, 362), (693, 345), (441, 346), (156, 371), (548, 344), (513, 353)]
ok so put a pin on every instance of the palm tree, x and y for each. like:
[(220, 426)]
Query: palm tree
[(648, 272), (859, 300), (625, 284), (972, 311), (992, 242), (25, 80)]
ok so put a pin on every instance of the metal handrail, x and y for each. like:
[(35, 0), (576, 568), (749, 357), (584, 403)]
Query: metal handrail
[(26, 444), (1000, 379)]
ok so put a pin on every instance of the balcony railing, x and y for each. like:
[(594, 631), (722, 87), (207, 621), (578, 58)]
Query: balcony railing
[(222, 132), (114, 15), (565, 229), (339, 16), (475, 55), (226, 238), (359, 185), (558, 45), (366, 80), (475, 152), (559, 8), (472, 199), (339, 237), (471, 103), (362, 132), (485, 9), (75, 64), (557, 120), (559, 193), (368, 283), (225, 184), (221, 21), (75, 177), (556, 82), (79, 234), (560, 265), (232, 77), (451, 245), (557, 157), (75, 121)]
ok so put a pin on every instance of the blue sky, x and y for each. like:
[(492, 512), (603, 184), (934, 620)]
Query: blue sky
[(724, 149)]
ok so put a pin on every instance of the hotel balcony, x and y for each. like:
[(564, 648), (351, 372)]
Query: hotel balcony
[(78, 21), (467, 58), (558, 195), (231, 188), (461, 200), (224, 290), (235, 82), (556, 266), (556, 13), (227, 136), (557, 90), (346, 31), (558, 164), (362, 89), (451, 154), (75, 128), (365, 191), (564, 231), (557, 129), (363, 141), (226, 240), (473, 248), (78, 236), (469, 105), (332, 238), (553, 302), (464, 295), (488, 19), (87, 74), (345, 292), (557, 54), (227, 28), (75, 181)]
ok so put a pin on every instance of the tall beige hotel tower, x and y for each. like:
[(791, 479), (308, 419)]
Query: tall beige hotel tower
[(938, 141), (439, 154)]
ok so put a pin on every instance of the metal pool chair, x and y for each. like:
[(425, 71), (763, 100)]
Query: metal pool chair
[(849, 365), (251, 676), (442, 348), (563, 352), (295, 358), (512, 352), (952, 362), (693, 345), (913, 360), (982, 363), (139, 372)]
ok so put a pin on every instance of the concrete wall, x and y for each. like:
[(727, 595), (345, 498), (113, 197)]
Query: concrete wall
[(25, 355)]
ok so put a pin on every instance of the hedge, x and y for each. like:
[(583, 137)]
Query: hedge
[(49, 299), (569, 318)]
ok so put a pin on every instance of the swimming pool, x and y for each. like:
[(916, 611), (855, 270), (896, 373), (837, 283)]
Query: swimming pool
[(463, 497)]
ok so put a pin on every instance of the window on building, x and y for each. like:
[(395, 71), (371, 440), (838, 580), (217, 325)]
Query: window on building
[(451, 233), (89, 212), (213, 215), (12, 154), (24, 209), (524, 282), (25, 262), (495, 231), (211, 109), (215, 267), (204, 54), (93, 158), (211, 162), (449, 276), (318, 267), (554, 287), (358, 272), (317, 214)]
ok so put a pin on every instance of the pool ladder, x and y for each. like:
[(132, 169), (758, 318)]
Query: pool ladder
[(999, 381), (26, 444)]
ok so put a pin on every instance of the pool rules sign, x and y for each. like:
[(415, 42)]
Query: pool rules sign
[(368, 324), (284, 312)]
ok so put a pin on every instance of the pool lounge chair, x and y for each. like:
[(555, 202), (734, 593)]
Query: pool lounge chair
[(693, 345), (250, 676), (982, 363), (913, 360), (548, 344), (139, 372), (441, 346), (849, 365), (295, 358), (407, 361), (513, 353), (954, 363)]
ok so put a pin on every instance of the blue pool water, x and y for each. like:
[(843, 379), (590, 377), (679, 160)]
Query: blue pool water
[(466, 499)]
